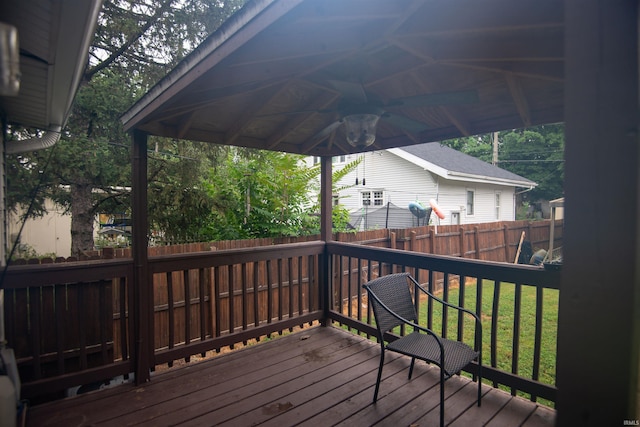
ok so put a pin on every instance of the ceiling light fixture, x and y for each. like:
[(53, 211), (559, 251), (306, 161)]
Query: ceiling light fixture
[(361, 129)]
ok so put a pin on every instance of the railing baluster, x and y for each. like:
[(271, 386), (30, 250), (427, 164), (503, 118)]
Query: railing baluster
[(202, 306), (124, 348), (461, 293), (245, 307), (369, 310), (312, 280), (217, 296), (478, 331), (537, 344), (130, 317), (290, 288), (416, 292), (300, 287), (429, 300), (82, 325), (269, 295), (494, 326), (369, 307), (280, 291), (232, 298), (104, 309), (516, 331), (35, 321), (359, 299), (350, 289), (60, 298), (256, 294), (445, 311), (339, 283), (186, 283), (170, 311)]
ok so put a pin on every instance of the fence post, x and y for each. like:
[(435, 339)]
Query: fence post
[(432, 239), (476, 237), (462, 248), (506, 243)]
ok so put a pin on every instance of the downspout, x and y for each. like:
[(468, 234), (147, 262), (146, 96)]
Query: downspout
[(515, 199), (49, 139)]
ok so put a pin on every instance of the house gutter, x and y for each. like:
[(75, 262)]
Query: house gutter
[(526, 184), (49, 139)]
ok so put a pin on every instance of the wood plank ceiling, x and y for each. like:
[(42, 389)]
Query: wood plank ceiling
[(281, 74)]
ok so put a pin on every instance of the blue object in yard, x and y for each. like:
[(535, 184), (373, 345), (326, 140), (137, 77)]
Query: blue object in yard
[(418, 210)]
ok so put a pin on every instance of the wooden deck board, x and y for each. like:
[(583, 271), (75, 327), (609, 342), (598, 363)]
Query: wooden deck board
[(319, 376)]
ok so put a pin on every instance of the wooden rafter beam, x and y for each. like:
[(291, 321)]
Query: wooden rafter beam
[(519, 98), (294, 124), (251, 110), (453, 114)]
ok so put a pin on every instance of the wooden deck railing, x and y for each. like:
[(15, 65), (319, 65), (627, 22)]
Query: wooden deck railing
[(279, 289), (72, 324), (353, 265), (68, 323)]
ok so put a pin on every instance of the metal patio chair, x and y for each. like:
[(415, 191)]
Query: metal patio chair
[(393, 306)]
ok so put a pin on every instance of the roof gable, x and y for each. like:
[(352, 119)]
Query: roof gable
[(455, 165)]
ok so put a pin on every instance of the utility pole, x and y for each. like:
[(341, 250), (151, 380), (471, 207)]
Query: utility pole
[(494, 161)]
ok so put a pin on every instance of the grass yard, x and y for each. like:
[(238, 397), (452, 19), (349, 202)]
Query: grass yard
[(504, 328)]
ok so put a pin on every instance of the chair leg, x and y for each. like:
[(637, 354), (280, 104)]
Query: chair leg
[(413, 361), (479, 382), (442, 397), (375, 393)]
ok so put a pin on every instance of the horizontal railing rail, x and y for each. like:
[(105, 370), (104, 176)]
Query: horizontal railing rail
[(527, 362)]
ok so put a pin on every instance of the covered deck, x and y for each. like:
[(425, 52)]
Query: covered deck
[(317, 376), (258, 84)]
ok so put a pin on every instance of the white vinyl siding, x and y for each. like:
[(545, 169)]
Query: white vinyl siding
[(402, 182), (452, 197)]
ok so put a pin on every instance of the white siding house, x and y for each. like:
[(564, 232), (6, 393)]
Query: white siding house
[(466, 189)]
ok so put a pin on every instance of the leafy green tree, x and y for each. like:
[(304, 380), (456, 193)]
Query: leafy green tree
[(83, 171), (536, 153), (260, 194), (179, 203), (136, 43), (479, 146)]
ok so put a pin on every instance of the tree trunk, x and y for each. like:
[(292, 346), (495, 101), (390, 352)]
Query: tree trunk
[(82, 217)]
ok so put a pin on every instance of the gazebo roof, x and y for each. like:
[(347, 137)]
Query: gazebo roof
[(280, 75)]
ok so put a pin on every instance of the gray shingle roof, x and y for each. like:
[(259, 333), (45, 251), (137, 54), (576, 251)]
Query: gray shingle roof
[(456, 161)]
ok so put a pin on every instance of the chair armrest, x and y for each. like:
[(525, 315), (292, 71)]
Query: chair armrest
[(446, 303), (478, 330)]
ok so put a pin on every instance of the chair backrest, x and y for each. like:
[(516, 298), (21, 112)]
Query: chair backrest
[(393, 291)]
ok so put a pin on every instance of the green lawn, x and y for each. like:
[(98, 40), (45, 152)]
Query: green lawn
[(505, 326)]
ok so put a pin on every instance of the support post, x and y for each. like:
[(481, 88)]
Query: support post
[(142, 294), (326, 228), (598, 336)]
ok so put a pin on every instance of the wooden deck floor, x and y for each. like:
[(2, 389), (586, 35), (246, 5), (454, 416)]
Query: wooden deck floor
[(317, 377)]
